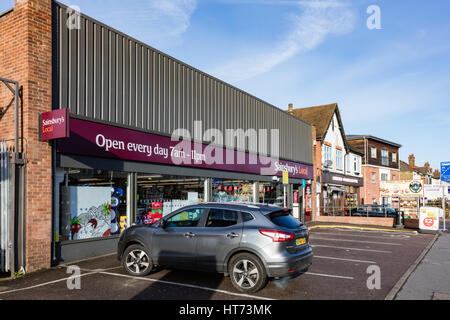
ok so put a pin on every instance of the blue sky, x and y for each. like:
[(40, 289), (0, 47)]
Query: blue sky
[(392, 83)]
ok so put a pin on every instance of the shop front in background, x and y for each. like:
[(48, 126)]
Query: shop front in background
[(159, 195), (107, 178), (339, 194), (95, 203)]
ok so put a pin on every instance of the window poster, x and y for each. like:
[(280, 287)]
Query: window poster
[(87, 211)]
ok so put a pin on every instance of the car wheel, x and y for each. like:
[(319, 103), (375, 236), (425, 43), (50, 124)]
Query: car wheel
[(136, 260), (247, 273)]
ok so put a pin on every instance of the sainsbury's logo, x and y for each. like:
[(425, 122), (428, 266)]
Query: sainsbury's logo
[(53, 121)]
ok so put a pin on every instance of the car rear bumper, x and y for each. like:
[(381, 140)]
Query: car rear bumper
[(291, 266)]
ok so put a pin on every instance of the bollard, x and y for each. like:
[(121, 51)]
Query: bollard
[(399, 219)]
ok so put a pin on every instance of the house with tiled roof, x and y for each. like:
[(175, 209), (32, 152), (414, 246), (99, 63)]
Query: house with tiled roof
[(410, 171), (337, 167)]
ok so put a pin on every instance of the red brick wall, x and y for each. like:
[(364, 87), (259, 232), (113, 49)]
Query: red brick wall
[(317, 165), (369, 221), (370, 191), (25, 56)]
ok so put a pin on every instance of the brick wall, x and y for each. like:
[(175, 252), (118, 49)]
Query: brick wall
[(370, 191), (369, 221), (317, 155), (25, 56)]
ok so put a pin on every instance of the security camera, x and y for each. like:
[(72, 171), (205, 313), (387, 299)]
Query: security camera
[(275, 178)]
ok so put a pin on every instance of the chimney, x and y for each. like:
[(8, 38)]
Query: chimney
[(291, 109), (412, 161), (436, 174)]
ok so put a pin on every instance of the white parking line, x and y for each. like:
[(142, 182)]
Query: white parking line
[(356, 249), (392, 236), (186, 285), (44, 284), (329, 275), (342, 259), (359, 241), (412, 232)]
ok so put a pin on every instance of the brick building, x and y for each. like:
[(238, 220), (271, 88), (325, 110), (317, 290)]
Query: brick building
[(380, 162), (26, 57)]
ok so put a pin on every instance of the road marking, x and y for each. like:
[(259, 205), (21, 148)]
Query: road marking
[(356, 249), (359, 241), (350, 260), (328, 275), (45, 283), (186, 285)]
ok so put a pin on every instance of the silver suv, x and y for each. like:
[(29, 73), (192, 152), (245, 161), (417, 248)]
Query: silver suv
[(248, 242)]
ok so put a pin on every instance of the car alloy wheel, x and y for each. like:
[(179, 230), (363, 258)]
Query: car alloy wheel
[(137, 261), (247, 273)]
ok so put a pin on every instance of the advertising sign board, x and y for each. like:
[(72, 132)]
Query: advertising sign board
[(429, 218), (54, 124), (401, 188)]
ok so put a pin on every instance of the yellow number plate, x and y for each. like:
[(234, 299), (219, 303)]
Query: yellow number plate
[(301, 241)]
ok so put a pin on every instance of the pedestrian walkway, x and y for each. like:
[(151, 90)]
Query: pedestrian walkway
[(431, 279)]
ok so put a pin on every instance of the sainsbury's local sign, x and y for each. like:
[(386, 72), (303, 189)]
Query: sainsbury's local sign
[(100, 140), (54, 124)]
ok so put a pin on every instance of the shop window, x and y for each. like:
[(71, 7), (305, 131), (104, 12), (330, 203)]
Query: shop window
[(158, 195), (271, 193), (186, 218), (92, 203), (222, 218), (228, 190)]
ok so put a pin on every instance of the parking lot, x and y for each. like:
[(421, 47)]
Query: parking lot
[(344, 260)]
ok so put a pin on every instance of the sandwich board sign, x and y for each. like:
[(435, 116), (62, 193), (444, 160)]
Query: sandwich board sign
[(429, 218)]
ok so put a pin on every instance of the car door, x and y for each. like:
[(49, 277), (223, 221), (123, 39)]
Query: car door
[(174, 245), (221, 234)]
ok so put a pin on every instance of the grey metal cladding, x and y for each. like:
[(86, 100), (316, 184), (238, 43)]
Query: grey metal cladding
[(108, 76)]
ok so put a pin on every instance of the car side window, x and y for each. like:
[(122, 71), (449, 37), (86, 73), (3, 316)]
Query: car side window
[(222, 218), (185, 218), (246, 216)]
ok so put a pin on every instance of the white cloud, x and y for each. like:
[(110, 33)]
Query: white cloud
[(317, 20), (160, 23), (172, 15)]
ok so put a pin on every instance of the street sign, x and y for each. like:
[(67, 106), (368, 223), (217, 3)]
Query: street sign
[(285, 177), (445, 171)]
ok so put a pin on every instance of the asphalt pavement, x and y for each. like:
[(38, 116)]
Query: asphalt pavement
[(349, 264)]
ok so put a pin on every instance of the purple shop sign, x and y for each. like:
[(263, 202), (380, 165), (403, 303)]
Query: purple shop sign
[(54, 124), (105, 141)]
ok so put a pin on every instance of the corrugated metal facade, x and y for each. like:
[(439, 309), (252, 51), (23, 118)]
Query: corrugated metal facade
[(105, 75)]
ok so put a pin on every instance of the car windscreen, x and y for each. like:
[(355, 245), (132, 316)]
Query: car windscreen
[(283, 218)]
